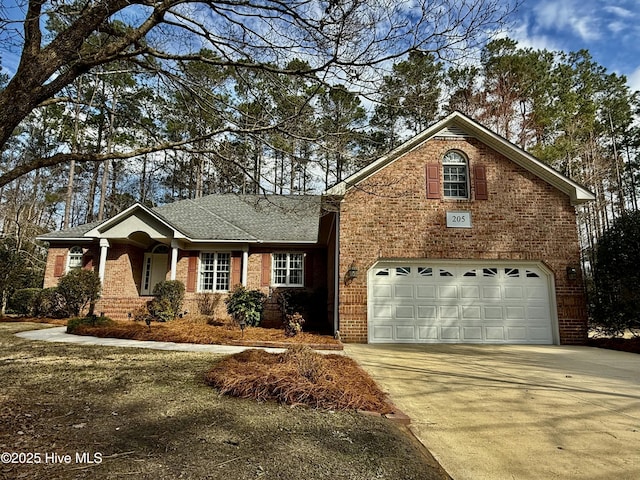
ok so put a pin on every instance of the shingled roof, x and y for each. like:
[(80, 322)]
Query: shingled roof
[(229, 217)]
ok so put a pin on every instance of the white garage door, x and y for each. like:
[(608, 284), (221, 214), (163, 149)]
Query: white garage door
[(451, 303)]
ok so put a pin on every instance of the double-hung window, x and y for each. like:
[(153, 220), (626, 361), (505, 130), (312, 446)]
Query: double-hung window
[(455, 175), (215, 271), (75, 258), (288, 269)]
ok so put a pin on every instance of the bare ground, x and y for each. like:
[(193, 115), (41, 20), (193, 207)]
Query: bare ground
[(149, 414)]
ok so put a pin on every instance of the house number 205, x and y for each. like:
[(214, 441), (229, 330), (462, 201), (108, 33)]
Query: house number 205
[(459, 219)]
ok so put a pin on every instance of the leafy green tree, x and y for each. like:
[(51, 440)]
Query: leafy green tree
[(517, 87), (79, 288), (409, 97), (343, 41), (463, 90), (341, 121), (15, 271), (616, 276)]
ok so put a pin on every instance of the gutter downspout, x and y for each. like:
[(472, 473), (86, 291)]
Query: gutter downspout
[(336, 277)]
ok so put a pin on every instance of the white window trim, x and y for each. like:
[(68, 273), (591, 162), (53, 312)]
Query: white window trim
[(467, 179), (288, 275), (215, 269), (69, 255)]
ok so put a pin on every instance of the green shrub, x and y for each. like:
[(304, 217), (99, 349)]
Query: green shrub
[(169, 297), (93, 321), (246, 305), (79, 288), (160, 310), (49, 303), (23, 301), (616, 298)]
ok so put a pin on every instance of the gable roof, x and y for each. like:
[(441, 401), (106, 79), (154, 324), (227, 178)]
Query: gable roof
[(223, 217), (458, 124)]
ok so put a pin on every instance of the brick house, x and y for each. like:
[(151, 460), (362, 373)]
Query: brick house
[(455, 236)]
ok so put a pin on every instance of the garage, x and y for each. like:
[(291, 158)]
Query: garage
[(447, 302)]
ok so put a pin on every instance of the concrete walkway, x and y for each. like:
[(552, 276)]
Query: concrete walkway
[(59, 334), (516, 412)]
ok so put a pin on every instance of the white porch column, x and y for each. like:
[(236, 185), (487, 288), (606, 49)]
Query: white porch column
[(104, 249), (245, 266), (174, 258)]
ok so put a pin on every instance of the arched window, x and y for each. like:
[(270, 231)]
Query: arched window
[(160, 248), (75, 258), (455, 172)]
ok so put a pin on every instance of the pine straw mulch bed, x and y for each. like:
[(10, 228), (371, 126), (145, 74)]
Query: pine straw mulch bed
[(299, 376), (196, 330), (18, 319)]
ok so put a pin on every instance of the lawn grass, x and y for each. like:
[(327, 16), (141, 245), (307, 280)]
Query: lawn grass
[(152, 416)]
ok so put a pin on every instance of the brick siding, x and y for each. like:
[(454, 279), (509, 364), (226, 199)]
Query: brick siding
[(123, 276), (524, 218)]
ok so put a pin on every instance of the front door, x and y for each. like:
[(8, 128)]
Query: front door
[(154, 271)]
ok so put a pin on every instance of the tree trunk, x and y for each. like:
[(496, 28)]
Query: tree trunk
[(69, 195), (103, 188)]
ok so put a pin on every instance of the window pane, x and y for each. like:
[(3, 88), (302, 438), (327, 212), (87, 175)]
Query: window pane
[(288, 268), (425, 271), (75, 258), (403, 271), (295, 268), (147, 274), (207, 271), (454, 174), (280, 268), (223, 270)]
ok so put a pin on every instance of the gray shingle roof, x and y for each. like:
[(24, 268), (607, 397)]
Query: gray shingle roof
[(73, 232), (251, 218)]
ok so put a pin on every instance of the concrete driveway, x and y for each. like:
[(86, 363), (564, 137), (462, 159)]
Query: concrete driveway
[(516, 412)]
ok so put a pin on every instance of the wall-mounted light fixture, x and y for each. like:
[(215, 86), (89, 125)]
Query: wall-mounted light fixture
[(351, 274), (572, 273)]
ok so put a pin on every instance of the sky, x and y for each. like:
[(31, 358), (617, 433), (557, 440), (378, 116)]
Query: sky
[(609, 29)]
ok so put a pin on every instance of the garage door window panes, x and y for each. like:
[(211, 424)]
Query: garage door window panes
[(425, 271), (288, 269)]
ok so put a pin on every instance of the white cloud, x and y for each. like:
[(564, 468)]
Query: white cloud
[(619, 11), (522, 34), (571, 15), (634, 80), (617, 26)]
